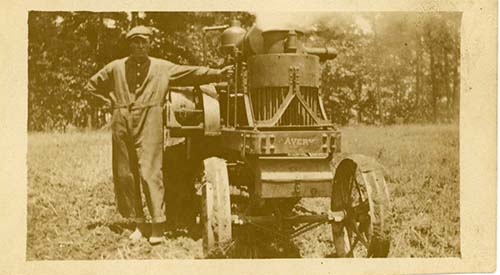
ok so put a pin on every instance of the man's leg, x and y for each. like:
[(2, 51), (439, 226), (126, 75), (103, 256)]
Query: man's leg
[(126, 176), (149, 144), (150, 162), (140, 221)]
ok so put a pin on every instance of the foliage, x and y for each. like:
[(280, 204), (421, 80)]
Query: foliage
[(66, 48), (391, 67)]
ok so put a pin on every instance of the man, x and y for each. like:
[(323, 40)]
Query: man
[(136, 86)]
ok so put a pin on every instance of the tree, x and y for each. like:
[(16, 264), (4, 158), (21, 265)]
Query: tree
[(392, 67), (66, 48)]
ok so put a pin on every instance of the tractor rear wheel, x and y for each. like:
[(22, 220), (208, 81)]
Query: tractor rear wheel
[(360, 196), (215, 207)]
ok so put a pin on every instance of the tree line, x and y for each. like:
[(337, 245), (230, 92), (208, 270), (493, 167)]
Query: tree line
[(391, 67)]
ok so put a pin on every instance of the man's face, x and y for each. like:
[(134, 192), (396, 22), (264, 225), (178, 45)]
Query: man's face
[(139, 47)]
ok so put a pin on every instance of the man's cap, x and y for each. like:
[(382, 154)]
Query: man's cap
[(139, 31)]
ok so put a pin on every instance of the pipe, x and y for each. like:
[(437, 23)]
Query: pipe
[(204, 39), (323, 53)]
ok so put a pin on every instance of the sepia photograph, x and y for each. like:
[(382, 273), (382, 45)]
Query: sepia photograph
[(243, 135)]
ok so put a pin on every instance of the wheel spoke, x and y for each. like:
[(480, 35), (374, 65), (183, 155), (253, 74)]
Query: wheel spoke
[(305, 228), (351, 252), (364, 241), (355, 236), (228, 247), (361, 237)]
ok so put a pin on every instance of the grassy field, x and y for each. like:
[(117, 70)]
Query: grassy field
[(71, 213)]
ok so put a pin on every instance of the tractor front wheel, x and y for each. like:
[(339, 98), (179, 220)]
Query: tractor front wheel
[(360, 201), (215, 207)]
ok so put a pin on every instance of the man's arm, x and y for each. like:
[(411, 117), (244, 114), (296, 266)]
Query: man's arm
[(181, 75), (100, 84)]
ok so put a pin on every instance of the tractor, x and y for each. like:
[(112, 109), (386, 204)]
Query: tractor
[(262, 141)]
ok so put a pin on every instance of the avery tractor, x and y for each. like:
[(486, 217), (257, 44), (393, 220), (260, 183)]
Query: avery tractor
[(263, 142)]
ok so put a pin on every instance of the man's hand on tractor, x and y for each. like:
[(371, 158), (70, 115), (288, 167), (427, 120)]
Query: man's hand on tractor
[(226, 72)]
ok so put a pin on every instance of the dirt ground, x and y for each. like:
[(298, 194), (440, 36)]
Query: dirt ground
[(71, 211)]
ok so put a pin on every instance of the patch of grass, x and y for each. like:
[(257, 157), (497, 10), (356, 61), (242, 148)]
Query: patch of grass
[(423, 167), (71, 212)]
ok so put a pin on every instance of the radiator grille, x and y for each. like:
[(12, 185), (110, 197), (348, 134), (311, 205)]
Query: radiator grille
[(266, 102)]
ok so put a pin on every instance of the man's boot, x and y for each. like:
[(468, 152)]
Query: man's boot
[(156, 234)]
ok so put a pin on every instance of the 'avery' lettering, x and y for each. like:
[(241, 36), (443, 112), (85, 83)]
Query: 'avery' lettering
[(299, 141)]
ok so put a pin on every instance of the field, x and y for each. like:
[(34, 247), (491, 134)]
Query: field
[(71, 212)]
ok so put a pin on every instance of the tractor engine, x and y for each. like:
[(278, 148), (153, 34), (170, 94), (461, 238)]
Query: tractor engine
[(279, 75), (269, 115)]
